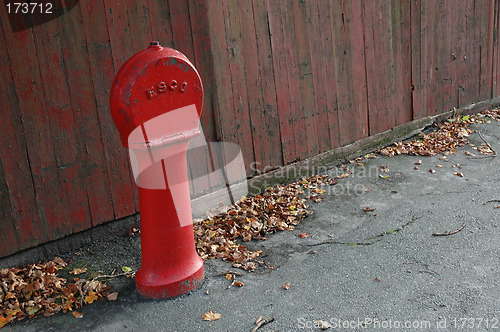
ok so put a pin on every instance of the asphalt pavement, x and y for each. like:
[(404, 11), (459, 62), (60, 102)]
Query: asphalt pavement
[(371, 261)]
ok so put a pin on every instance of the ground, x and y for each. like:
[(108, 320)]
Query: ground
[(370, 257)]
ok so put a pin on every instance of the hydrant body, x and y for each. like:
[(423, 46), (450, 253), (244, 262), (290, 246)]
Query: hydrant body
[(156, 102)]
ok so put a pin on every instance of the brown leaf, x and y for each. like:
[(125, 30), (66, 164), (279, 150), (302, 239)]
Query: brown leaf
[(210, 316), (432, 171), (458, 174), (112, 296), (77, 271), (238, 284), (258, 320), (91, 297), (377, 279), (77, 314), (303, 235), (287, 286)]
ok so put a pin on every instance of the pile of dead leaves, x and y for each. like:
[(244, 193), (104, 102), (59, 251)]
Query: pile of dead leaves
[(38, 290), (449, 135), (279, 208)]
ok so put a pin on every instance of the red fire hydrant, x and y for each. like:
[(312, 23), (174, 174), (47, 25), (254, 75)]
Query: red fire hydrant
[(156, 103)]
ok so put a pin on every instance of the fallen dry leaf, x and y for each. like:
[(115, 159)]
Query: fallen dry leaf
[(303, 235), (432, 171), (91, 297), (324, 325), (367, 209), (79, 271), (229, 276), (287, 286), (377, 279), (418, 162), (113, 296), (415, 167), (77, 314), (439, 166), (458, 174), (210, 316), (258, 320), (239, 284)]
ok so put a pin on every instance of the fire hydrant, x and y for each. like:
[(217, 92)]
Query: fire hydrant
[(156, 102)]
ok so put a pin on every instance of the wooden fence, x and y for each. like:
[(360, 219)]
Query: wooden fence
[(284, 79)]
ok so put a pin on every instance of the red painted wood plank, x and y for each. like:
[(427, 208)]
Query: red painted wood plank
[(140, 27), (238, 80), (261, 142), (463, 11), (181, 28), (318, 85), (324, 72), (418, 105), (36, 126), (359, 79), (292, 71), (183, 41), (267, 78), (287, 131), (18, 213), (159, 19), (56, 73), (490, 41), (302, 45), (198, 13), (100, 18), (9, 241), (496, 53), (93, 171), (428, 55), (403, 66), (483, 12)]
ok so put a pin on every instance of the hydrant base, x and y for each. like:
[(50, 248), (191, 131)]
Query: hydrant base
[(165, 289)]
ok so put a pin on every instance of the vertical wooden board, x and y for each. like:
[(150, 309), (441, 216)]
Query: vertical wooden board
[(281, 80), (181, 28), (140, 27), (9, 242), (483, 12), (54, 60), (490, 41), (471, 61), (418, 106), (119, 32), (496, 52), (302, 46), (345, 104), (379, 54), (359, 77), (292, 71), (238, 82), (318, 85), (267, 78), (402, 61), (159, 19), (183, 41), (198, 13), (29, 92), (445, 61), (430, 14), (463, 10), (325, 83), (20, 215), (261, 143), (104, 62), (93, 172)]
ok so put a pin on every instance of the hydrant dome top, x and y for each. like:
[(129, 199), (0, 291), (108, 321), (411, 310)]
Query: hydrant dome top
[(153, 82)]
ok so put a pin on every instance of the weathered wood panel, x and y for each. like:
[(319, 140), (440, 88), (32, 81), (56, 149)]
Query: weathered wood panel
[(283, 80)]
